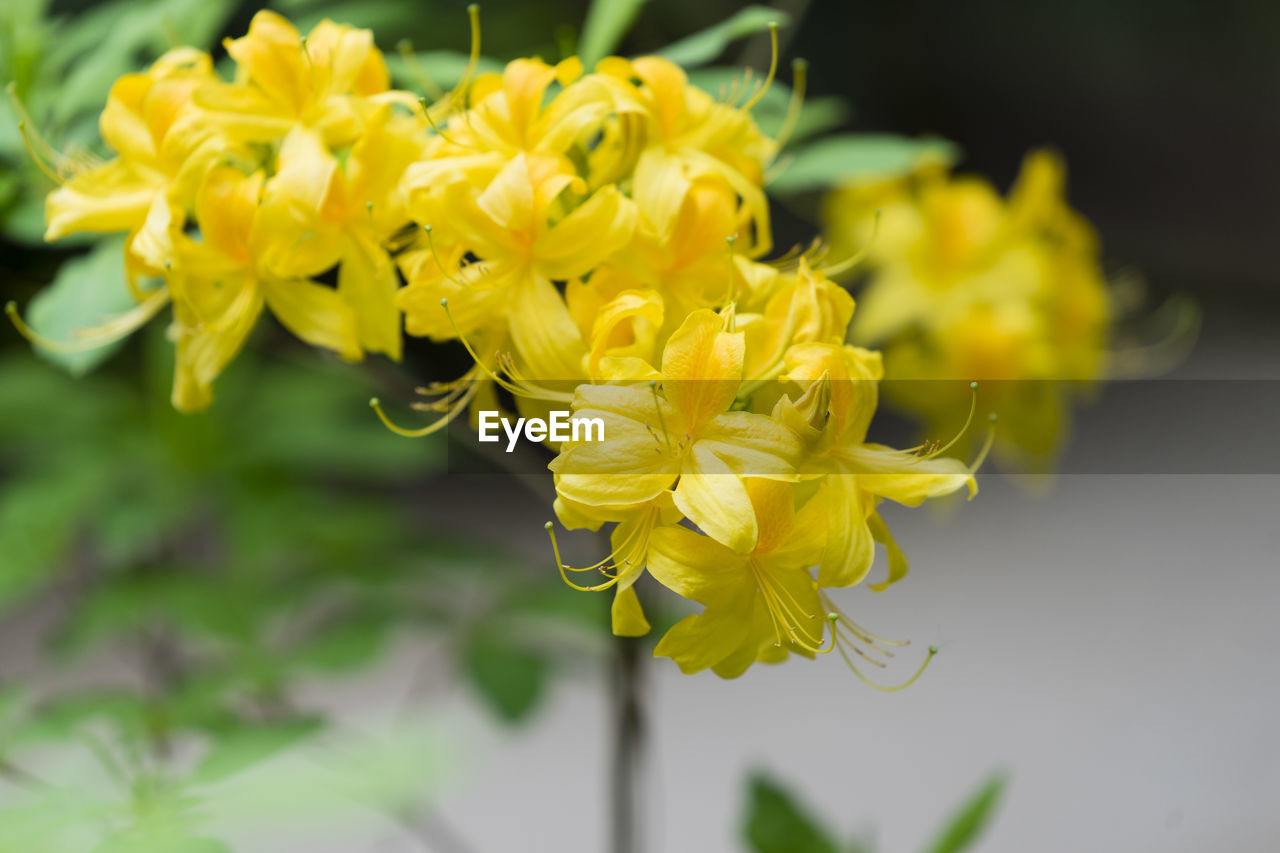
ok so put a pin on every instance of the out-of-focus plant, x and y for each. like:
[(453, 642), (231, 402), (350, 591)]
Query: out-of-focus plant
[(775, 822), (215, 564)]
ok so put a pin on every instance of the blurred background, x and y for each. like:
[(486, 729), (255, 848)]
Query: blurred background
[(346, 647)]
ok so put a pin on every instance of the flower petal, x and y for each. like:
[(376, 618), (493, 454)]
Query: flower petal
[(715, 499), (316, 314)]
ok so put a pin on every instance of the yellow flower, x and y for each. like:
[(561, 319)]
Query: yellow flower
[(526, 233), (691, 258), (686, 437), (855, 474), (965, 285), (159, 150), (219, 287), (758, 605), (687, 135), (511, 113), (630, 542), (330, 82), (318, 213)]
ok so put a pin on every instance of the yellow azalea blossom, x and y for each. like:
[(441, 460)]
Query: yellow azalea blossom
[(330, 82), (511, 114), (840, 385), (758, 605), (690, 260), (689, 134), (323, 213), (805, 307), (516, 227), (965, 285), (219, 288), (158, 150), (682, 435), (630, 542)]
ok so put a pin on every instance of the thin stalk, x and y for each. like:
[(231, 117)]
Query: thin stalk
[(628, 746)]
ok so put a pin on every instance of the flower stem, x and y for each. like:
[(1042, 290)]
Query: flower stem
[(628, 745)]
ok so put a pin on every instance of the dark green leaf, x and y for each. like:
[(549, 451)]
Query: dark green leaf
[(704, 46), (838, 159), (776, 823), (967, 824), (510, 679)]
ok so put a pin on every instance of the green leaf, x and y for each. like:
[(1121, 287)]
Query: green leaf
[(88, 291), (847, 157), (607, 22), (776, 823), (704, 46), (40, 513), (346, 646), (510, 679), (242, 748), (968, 824)]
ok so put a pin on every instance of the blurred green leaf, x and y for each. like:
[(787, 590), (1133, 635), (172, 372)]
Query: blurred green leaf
[(238, 751), (607, 22), (511, 679), (970, 821), (836, 159), (140, 32), (88, 291), (704, 46), (39, 516), (776, 823), (346, 646)]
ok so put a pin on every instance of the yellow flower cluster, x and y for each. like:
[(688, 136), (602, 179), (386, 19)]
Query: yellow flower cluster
[(593, 239), (237, 195), (966, 285)]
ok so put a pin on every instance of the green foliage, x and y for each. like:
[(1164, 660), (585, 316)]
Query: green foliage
[(776, 823), (228, 557), (704, 46), (607, 22), (88, 291), (248, 746), (835, 159), (511, 679), (970, 821)]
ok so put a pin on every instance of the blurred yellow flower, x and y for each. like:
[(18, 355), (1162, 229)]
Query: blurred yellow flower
[(964, 285)]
